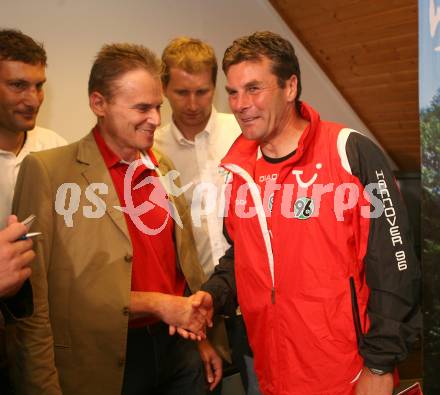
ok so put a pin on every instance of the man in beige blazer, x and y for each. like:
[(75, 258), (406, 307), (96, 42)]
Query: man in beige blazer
[(80, 339)]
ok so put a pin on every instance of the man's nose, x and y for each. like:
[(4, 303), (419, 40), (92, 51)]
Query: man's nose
[(34, 97), (192, 103), (241, 102), (154, 117)]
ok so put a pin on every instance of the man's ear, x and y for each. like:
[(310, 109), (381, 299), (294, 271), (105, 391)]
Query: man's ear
[(97, 103), (291, 88)]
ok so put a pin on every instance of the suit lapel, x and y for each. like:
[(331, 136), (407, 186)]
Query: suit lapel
[(97, 172)]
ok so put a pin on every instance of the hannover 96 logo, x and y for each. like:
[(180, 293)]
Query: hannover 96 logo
[(303, 208)]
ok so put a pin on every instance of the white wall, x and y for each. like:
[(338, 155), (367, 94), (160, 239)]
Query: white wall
[(74, 30)]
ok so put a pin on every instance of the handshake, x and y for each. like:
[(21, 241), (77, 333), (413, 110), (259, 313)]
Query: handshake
[(191, 316), (187, 316)]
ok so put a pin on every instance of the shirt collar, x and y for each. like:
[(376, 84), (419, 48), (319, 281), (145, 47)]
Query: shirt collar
[(209, 129), (112, 160)]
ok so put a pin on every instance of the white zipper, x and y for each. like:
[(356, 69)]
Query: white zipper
[(255, 193)]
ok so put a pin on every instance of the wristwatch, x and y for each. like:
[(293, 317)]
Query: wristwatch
[(378, 372)]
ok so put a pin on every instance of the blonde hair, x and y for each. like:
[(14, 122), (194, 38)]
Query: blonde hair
[(189, 54)]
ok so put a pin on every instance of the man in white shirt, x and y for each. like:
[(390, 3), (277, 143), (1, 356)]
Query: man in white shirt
[(22, 76), (197, 138)]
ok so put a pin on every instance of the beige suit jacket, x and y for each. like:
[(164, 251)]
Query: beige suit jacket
[(76, 339)]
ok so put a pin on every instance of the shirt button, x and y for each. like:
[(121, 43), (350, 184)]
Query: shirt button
[(128, 258), (125, 310), (121, 361)]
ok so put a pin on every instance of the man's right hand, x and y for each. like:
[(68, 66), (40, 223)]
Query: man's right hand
[(15, 257), (185, 312), (202, 303), (190, 314)]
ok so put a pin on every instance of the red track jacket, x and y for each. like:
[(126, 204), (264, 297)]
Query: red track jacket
[(304, 285)]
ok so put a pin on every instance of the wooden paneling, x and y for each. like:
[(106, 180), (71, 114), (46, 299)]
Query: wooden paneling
[(369, 49)]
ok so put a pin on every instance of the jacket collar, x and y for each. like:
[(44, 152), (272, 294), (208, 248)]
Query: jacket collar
[(245, 153)]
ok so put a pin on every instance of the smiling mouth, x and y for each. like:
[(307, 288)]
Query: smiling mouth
[(248, 119), (146, 130), (27, 115)]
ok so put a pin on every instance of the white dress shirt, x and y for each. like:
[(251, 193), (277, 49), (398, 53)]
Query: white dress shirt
[(37, 139), (197, 162)]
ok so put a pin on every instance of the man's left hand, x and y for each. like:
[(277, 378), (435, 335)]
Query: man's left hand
[(374, 384), (212, 362)]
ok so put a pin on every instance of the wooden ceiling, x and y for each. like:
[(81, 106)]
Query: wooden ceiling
[(369, 49)]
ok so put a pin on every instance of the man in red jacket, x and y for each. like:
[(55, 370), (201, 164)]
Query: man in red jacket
[(321, 261)]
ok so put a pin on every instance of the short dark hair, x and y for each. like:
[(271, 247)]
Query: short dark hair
[(274, 47), (16, 46), (189, 54), (114, 60)]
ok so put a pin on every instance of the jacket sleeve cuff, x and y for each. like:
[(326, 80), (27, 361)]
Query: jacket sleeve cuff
[(384, 368), (220, 299)]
